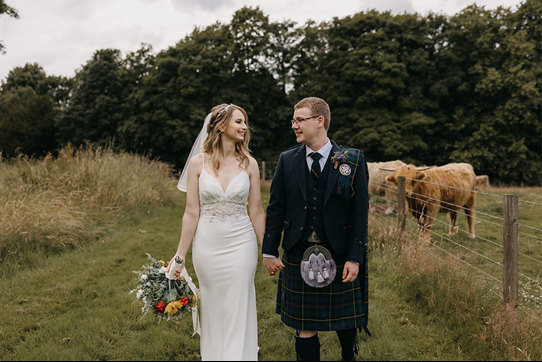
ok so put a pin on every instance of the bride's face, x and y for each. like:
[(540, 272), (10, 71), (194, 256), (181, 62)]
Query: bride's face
[(237, 127)]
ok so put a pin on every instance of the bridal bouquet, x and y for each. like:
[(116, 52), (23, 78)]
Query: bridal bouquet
[(166, 298)]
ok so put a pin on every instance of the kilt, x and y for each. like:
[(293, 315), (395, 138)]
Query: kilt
[(335, 307)]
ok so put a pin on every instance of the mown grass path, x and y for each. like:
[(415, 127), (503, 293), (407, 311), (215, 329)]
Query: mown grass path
[(77, 306)]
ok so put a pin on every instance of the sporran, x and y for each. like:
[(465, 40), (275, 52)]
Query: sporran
[(317, 267)]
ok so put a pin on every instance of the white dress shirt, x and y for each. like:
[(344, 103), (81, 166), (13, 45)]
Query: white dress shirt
[(324, 151)]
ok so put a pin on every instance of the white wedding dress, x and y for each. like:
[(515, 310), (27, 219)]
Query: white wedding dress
[(225, 256)]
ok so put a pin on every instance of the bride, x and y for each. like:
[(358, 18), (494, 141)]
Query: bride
[(219, 182)]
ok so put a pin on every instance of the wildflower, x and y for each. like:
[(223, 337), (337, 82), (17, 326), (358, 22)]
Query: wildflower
[(160, 306), (172, 308)]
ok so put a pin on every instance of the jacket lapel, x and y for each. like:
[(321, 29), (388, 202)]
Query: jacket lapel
[(333, 174), (300, 164)]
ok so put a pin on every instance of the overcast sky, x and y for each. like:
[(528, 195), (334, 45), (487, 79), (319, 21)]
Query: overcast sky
[(61, 35)]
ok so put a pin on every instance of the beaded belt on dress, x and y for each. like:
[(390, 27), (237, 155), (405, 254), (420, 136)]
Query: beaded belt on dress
[(223, 210)]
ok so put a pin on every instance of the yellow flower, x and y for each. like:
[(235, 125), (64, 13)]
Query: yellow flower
[(172, 307), (162, 263)]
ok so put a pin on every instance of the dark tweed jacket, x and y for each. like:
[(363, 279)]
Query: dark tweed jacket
[(345, 220)]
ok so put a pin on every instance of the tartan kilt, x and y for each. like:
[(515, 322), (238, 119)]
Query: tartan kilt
[(335, 307)]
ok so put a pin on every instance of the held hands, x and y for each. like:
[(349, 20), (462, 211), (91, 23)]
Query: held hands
[(178, 271), (272, 265), (350, 271)]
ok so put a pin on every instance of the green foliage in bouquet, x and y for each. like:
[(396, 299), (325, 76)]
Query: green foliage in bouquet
[(165, 298)]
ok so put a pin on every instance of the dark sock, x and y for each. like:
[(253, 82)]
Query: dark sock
[(307, 349), (347, 337)]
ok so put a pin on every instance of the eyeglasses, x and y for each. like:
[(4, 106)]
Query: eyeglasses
[(299, 120)]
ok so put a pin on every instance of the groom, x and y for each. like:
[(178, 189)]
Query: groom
[(319, 192)]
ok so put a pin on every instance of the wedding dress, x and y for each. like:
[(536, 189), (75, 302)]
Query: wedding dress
[(225, 256)]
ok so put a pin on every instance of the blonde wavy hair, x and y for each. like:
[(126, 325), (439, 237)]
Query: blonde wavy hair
[(221, 115)]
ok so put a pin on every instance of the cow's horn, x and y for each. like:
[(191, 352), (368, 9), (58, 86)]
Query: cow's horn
[(387, 169), (421, 168)]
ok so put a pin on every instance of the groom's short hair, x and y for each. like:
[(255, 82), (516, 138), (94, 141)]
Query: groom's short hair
[(318, 106)]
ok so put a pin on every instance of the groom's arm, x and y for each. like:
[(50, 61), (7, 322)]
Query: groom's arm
[(275, 212), (359, 215)]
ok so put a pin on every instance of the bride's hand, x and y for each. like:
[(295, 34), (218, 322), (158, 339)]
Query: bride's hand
[(178, 271)]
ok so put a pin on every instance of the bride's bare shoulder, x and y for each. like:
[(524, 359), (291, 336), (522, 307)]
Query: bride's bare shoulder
[(252, 165), (196, 163)]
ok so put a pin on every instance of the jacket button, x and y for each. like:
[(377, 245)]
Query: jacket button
[(305, 207), (301, 228)]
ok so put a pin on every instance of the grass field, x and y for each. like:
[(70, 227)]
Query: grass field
[(76, 305)]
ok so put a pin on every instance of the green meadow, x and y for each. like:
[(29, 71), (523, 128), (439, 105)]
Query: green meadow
[(71, 301)]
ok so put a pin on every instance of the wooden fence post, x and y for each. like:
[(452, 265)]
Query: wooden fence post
[(510, 243), (263, 170), (401, 212)]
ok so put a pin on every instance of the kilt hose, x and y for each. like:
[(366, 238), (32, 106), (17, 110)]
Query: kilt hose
[(335, 307)]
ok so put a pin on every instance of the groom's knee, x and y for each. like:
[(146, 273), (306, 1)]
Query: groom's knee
[(306, 334)]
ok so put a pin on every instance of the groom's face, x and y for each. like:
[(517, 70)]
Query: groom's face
[(306, 127)]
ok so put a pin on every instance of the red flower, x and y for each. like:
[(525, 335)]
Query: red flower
[(185, 301), (160, 306)]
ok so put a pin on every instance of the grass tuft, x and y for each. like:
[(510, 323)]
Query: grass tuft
[(56, 203)]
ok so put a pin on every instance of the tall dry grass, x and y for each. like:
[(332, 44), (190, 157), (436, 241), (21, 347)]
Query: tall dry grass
[(455, 297), (52, 203)]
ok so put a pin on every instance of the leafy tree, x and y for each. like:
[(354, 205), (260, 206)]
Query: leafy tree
[(5, 9), (177, 93), (504, 140), (26, 122), (372, 68), (308, 60), (31, 103), (254, 85), (426, 89), (33, 76), (206, 68), (95, 107), (137, 66), (281, 52), (29, 75), (250, 35)]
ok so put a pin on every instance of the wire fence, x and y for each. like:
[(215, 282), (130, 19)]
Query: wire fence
[(485, 247)]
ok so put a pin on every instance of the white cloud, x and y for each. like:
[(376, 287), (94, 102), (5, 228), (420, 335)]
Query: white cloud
[(208, 5), (61, 35), (395, 6)]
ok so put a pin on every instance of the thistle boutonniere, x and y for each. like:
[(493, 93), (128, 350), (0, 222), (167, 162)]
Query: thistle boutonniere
[(346, 160), (338, 158)]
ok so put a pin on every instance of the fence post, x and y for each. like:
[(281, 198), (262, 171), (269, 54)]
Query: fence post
[(510, 243), (263, 170), (401, 212)]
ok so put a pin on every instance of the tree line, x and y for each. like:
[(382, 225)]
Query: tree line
[(424, 89)]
